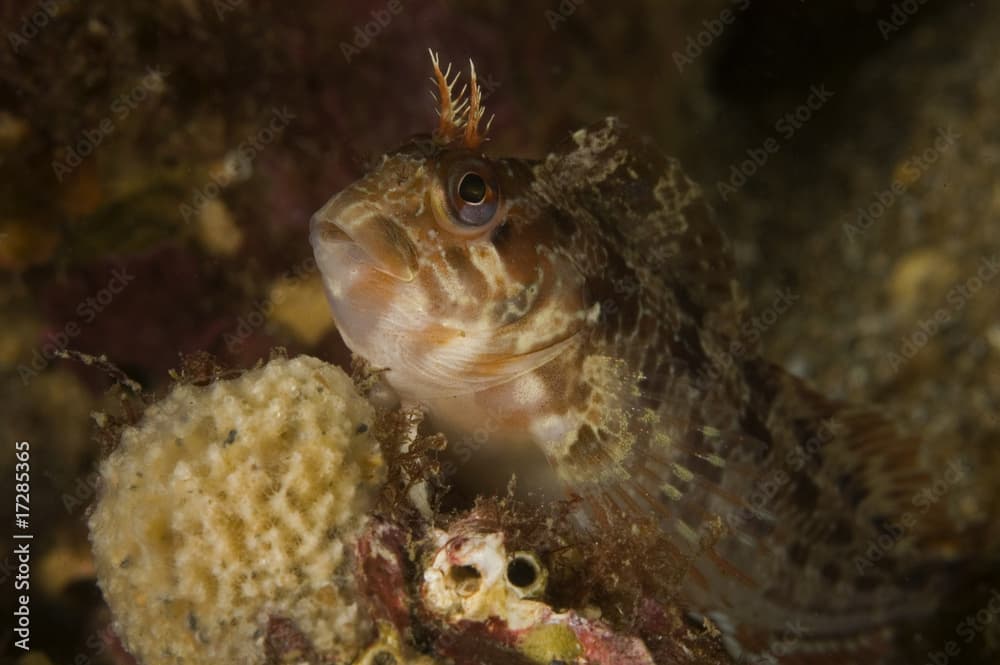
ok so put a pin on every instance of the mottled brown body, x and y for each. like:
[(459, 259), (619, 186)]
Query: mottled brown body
[(584, 304), (686, 421)]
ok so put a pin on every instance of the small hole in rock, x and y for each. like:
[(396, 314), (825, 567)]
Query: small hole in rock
[(466, 578), (384, 658), (522, 571)]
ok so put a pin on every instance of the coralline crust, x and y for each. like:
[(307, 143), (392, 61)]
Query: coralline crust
[(231, 504)]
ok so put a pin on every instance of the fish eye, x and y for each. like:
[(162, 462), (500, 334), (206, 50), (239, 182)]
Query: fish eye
[(472, 193), (472, 188)]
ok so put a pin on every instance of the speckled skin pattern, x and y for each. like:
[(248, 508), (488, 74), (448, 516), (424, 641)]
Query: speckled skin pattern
[(594, 316)]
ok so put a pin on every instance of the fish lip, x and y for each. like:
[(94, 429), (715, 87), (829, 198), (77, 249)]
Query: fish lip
[(325, 228), (333, 234)]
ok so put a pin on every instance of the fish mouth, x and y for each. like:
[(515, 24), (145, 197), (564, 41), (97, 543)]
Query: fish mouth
[(382, 244), (332, 233)]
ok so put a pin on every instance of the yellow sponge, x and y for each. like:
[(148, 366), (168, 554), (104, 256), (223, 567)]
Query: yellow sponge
[(233, 503)]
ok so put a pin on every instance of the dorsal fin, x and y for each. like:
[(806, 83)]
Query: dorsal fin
[(641, 202)]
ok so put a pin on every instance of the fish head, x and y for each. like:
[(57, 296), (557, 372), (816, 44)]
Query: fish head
[(438, 267)]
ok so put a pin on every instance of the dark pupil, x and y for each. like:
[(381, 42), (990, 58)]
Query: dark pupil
[(472, 189), (521, 572)]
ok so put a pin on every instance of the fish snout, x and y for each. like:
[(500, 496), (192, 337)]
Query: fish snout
[(384, 244)]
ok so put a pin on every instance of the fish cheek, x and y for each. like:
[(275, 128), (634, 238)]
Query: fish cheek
[(473, 280), (361, 307), (398, 251)]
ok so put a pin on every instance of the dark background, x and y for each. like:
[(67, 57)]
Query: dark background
[(232, 277)]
